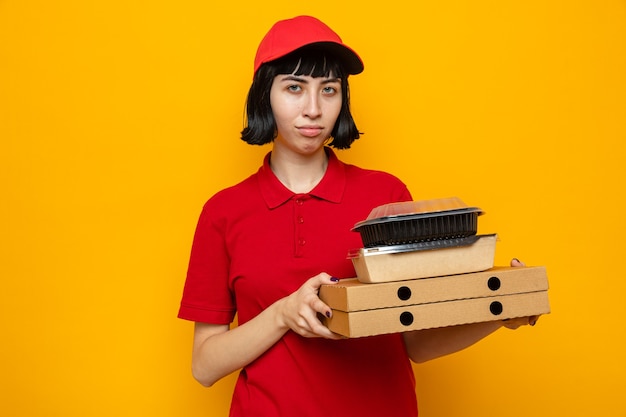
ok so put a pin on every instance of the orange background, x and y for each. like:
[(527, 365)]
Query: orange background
[(118, 119)]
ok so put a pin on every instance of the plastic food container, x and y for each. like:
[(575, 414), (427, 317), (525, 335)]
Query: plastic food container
[(418, 221)]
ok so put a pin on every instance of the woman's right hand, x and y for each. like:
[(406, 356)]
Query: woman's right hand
[(299, 311), (219, 350)]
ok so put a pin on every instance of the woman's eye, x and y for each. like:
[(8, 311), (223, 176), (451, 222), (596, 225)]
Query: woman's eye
[(329, 90), (294, 88)]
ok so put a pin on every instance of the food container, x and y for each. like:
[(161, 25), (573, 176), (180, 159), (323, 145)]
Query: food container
[(418, 221), (423, 260)]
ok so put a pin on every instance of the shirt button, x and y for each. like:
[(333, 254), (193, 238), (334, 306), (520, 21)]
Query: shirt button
[(300, 219), (302, 242), (299, 202)]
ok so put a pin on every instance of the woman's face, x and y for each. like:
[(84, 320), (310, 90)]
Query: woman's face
[(305, 110)]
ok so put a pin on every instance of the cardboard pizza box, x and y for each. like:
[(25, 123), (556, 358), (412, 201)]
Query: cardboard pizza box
[(353, 295), (440, 314)]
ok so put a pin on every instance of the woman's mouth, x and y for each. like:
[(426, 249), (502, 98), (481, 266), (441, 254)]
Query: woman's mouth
[(310, 131)]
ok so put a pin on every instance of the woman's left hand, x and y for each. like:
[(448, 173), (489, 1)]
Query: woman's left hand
[(519, 321)]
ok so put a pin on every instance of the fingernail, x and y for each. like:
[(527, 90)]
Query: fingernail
[(532, 322), (328, 314), (333, 279), (517, 260)]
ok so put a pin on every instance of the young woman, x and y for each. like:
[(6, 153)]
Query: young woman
[(263, 248)]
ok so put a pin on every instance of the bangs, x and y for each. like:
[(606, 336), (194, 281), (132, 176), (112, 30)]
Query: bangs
[(311, 62)]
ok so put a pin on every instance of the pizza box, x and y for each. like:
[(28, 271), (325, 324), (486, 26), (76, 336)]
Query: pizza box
[(440, 314), (353, 295)]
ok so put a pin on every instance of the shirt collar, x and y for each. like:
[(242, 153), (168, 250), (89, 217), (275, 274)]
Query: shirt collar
[(330, 188)]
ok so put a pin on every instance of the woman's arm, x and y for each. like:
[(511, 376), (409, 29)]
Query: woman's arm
[(424, 345), (218, 351)]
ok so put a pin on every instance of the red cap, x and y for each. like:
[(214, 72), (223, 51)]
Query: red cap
[(288, 35)]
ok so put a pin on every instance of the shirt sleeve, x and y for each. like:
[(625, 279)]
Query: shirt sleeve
[(403, 193), (396, 189), (207, 296)]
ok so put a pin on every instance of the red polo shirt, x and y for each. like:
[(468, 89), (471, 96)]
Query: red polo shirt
[(257, 242)]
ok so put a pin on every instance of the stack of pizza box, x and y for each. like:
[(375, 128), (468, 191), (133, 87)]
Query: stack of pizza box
[(423, 266)]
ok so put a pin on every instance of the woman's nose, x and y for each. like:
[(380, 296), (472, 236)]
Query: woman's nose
[(312, 106)]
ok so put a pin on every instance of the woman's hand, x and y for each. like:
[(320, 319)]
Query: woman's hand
[(517, 263), (299, 311), (424, 345), (519, 321), (218, 351)]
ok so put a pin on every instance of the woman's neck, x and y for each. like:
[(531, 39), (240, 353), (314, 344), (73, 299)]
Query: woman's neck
[(299, 173)]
